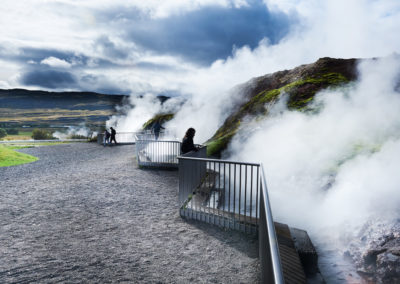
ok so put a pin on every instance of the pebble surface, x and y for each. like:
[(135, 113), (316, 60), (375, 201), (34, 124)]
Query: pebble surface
[(85, 213)]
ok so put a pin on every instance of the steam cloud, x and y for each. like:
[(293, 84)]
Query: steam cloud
[(334, 170), (330, 28)]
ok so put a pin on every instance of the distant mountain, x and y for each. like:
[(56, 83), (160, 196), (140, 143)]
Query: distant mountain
[(19, 106), (20, 98)]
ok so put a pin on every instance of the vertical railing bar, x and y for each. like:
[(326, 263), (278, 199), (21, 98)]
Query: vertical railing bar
[(251, 193), (245, 196), (219, 192), (210, 184), (199, 179), (234, 191), (229, 185), (224, 192), (215, 191), (257, 192), (240, 190)]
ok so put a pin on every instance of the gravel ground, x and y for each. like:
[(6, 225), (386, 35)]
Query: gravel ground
[(88, 214)]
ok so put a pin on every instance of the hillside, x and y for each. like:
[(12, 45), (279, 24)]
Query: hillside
[(299, 84), (19, 106)]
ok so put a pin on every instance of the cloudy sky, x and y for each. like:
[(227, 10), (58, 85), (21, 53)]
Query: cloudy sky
[(177, 46)]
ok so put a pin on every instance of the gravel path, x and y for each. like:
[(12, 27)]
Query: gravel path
[(87, 214)]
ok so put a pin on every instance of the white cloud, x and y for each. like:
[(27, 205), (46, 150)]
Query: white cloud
[(55, 62)]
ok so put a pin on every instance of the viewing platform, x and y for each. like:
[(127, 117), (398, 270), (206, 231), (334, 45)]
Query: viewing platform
[(233, 195)]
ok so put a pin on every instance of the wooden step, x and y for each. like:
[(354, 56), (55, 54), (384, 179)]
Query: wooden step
[(291, 265)]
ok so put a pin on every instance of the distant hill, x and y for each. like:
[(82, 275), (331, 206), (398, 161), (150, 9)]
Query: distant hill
[(19, 106)]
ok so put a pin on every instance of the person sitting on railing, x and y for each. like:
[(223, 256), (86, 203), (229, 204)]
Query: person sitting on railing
[(187, 142), (157, 128), (113, 133)]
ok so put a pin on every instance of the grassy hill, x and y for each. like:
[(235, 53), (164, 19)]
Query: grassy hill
[(299, 84)]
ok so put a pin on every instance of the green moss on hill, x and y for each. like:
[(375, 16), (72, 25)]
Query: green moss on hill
[(300, 84)]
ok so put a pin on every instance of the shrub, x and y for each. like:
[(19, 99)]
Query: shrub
[(93, 138), (12, 131), (77, 136), (41, 134), (3, 133)]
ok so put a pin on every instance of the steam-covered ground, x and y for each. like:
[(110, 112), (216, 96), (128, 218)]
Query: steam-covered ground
[(84, 213)]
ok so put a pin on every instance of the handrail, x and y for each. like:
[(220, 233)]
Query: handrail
[(272, 239), (148, 140), (219, 161)]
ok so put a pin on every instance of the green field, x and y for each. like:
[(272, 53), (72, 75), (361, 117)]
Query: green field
[(22, 135), (9, 157)]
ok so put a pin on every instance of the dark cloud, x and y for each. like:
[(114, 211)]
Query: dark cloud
[(27, 54), (209, 33), (51, 79), (100, 84), (38, 54), (109, 48)]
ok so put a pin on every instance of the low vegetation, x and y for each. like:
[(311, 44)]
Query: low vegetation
[(3, 133), (41, 134)]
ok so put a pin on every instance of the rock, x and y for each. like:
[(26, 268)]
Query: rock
[(388, 268), (377, 253)]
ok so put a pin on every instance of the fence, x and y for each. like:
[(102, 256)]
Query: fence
[(232, 195), (121, 137), (157, 153)]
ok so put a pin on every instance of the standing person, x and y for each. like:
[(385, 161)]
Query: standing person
[(113, 133), (157, 128), (187, 142), (106, 137)]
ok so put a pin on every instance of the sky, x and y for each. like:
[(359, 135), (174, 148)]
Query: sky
[(166, 47), (125, 46)]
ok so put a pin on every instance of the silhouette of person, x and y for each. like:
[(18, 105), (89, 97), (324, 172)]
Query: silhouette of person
[(187, 142), (106, 137), (113, 133), (157, 128)]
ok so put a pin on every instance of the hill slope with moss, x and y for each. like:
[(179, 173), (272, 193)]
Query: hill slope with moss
[(299, 84)]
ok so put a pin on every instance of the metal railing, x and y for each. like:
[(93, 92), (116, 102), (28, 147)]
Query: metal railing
[(157, 153), (271, 267), (121, 137), (233, 195)]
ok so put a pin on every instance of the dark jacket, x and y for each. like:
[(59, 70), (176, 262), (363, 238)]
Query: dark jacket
[(187, 145)]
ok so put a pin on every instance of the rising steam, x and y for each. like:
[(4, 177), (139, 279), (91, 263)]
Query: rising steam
[(335, 167)]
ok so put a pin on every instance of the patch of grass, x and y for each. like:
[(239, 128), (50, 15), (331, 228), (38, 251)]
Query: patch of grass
[(17, 137), (216, 146), (20, 145), (9, 157), (14, 147)]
